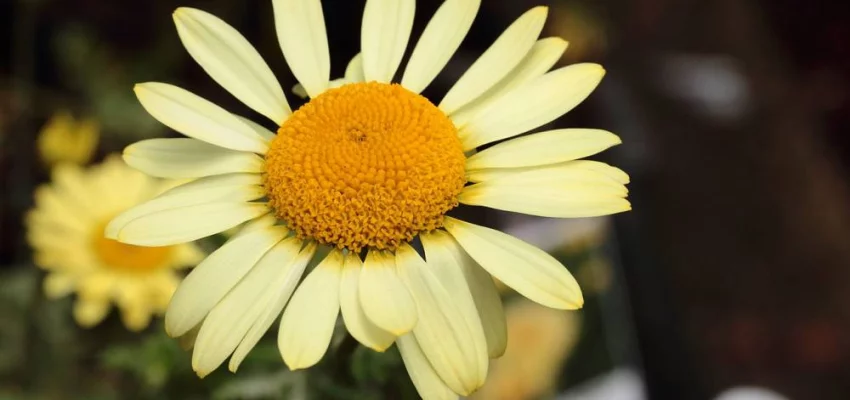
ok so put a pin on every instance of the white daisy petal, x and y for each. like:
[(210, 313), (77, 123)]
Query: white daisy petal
[(542, 278), (188, 158), (185, 224), (560, 191), (229, 321), (300, 27), (231, 61), (308, 321), (198, 118), (229, 188), (497, 61), (610, 171), (354, 70), (542, 56), (439, 41), (360, 327), (260, 130), (215, 276), (531, 105), (550, 147), (486, 297), (273, 301), (427, 382), (384, 297), (443, 331), (383, 36)]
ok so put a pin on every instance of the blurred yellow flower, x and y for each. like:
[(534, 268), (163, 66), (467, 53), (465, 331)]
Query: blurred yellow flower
[(540, 339), (65, 230), (66, 140)]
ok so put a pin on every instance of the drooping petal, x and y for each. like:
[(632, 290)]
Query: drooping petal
[(528, 270), (560, 191), (531, 105), (188, 158), (308, 322), (439, 41), (232, 62), (360, 327), (198, 118), (384, 297), (207, 284), (274, 301), (484, 293), (427, 382), (229, 321), (550, 147), (185, 224), (542, 56), (229, 188), (300, 27), (457, 353), (383, 37), (497, 61)]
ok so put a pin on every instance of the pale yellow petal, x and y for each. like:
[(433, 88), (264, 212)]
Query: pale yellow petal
[(427, 382), (230, 319), (198, 118), (542, 56), (360, 327), (354, 69), (439, 41), (207, 284), (231, 61), (89, 313), (300, 27), (525, 268), (188, 158), (497, 61), (531, 105), (384, 297), (550, 147), (308, 322), (383, 37)]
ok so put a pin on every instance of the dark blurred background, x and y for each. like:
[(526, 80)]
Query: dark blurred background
[(733, 269)]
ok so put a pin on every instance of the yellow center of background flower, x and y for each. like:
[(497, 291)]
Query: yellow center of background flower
[(365, 165), (127, 257)]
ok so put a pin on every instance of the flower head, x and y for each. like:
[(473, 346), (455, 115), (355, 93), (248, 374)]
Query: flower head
[(363, 169), (66, 140), (65, 230)]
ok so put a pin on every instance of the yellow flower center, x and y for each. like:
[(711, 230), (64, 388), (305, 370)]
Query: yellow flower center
[(365, 165), (127, 257)]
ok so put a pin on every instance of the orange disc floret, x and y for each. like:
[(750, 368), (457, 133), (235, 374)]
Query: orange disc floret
[(365, 165)]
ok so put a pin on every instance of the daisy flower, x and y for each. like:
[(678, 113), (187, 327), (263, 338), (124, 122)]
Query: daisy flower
[(64, 139), (65, 230), (364, 169)]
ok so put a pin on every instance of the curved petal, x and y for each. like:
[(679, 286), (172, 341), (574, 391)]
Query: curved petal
[(383, 36), (550, 147), (528, 270), (484, 293), (561, 191), (198, 118), (229, 188), (531, 105), (427, 382), (384, 298), (457, 353), (231, 61), (274, 301), (360, 327), (210, 281), (308, 322), (188, 158), (542, 56), (229, 321), (439, 41), (300, 27), (185, 224), (497, 61)]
